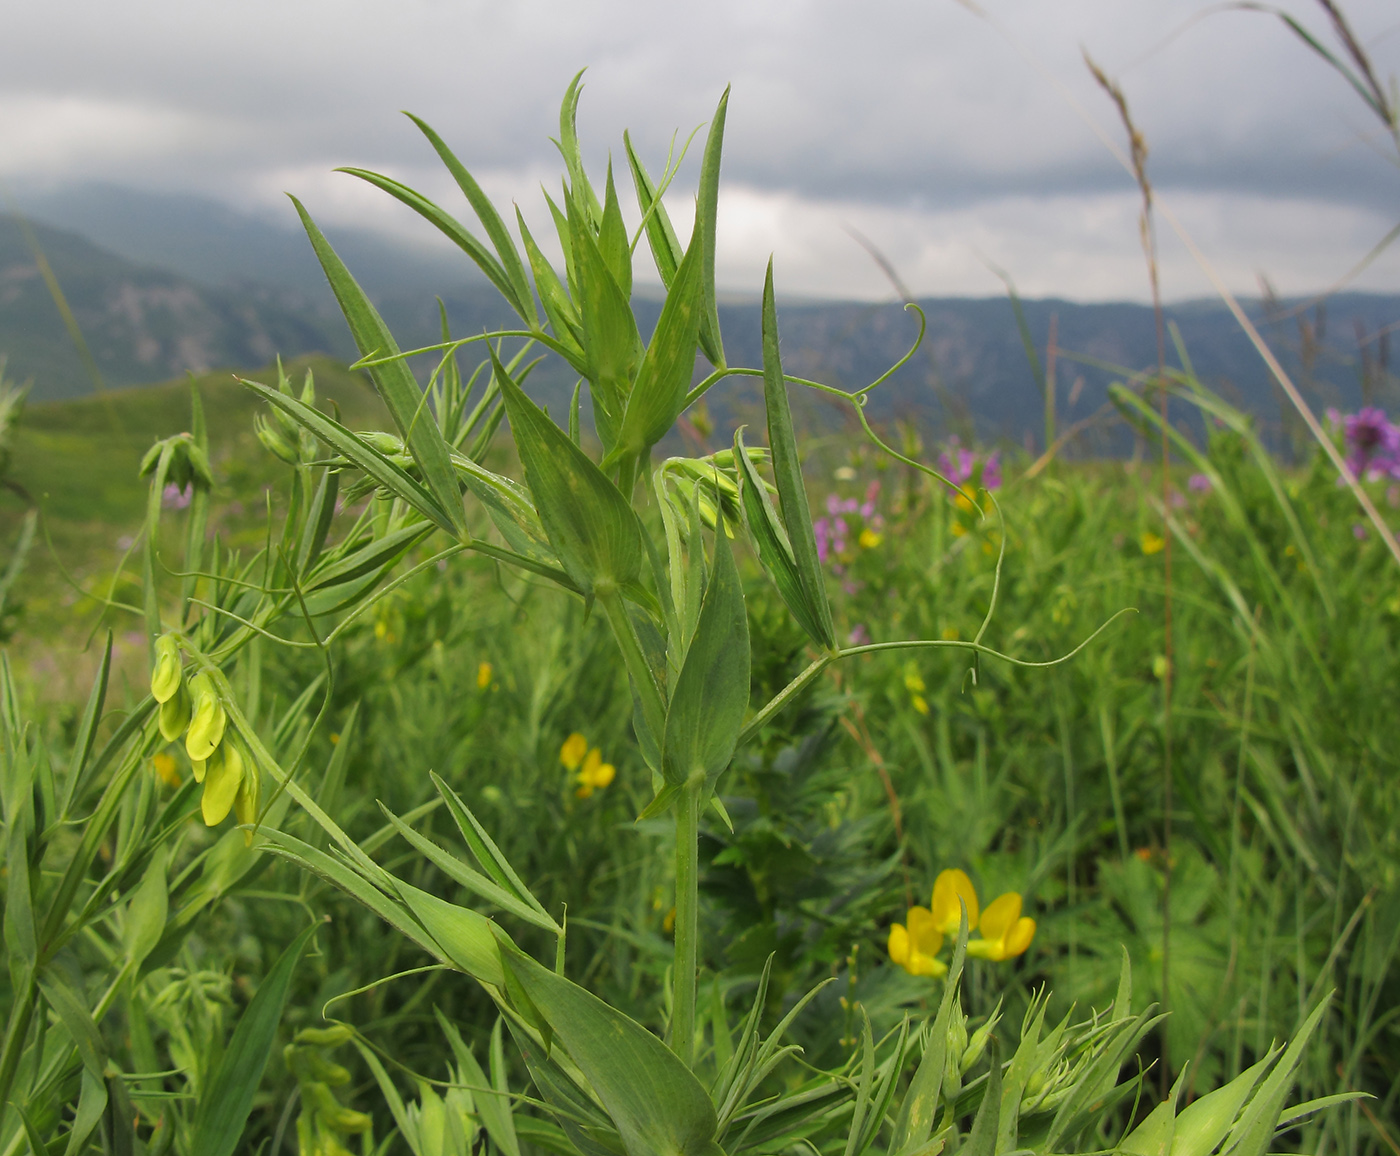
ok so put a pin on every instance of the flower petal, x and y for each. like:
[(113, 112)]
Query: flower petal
[(950, 886), (572, 752), (924, 933), (1019, 937), (921, 964), (1001, 915), (899, 944)]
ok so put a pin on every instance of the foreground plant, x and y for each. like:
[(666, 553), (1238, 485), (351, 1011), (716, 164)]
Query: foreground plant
[(668, 587)]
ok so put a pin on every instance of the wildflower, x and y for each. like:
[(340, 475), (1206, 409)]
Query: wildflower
[(572, 752), (484, 671), (951, 886), (914, 684), (859, 635), (1198, 484), (223, 776), (915, 946), (166, 677), (594, 774), (164, 766), (208, 722), (869, 539), (1006, 933), (174, 714), (175, 497), (1359, 532), (1373, 444), (1151, 543)]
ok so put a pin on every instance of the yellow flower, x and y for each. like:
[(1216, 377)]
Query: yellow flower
[(869, 539), (164, 766), (483, 675), (595, 774), (915, 947), (166, 677), (919, 703), (572, 752), (959, 529), (208, 721), (221, 783), (912, 682), (1151, 543), (1006, 933), (950, 886), (966, 496)]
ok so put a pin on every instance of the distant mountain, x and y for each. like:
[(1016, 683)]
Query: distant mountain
[(180, 283)]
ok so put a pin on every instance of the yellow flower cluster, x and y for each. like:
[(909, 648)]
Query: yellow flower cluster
[(196, 711), (587, 766), (915, 944)]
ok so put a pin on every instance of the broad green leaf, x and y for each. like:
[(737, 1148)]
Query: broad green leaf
[(392, 379), (658, 1106), (71, 1007), (612, 240), (508, 505), (224, 1105), (1203, 1124), (464, 936), (663, 377), (146, 913), (771, 541), (374, 464), (787, 475), (611, 342), (1253, 1133), (712, 691), (591, 526), (706, 211), (1154, 1136), (491, 221)]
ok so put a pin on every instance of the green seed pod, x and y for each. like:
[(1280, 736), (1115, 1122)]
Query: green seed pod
[(331, 1037), (207, 725), (221, 784), (175, 713), (331, 1074), (166, 677)]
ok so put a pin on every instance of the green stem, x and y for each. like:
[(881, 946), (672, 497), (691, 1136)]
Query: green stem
[(653, 708), (683, 968), (20, 1018)]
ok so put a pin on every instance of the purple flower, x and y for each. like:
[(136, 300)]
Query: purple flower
[(859, 636), (175, 498), (1359, 532), (991, 471), (1198, 484), (822, 532), (1373, 444)]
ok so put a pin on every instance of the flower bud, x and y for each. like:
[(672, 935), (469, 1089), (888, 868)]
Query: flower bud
[(208, 722), (957, 1045), (166, 677), (221, 783), (175, 714), (331, 1037), (275, 441), (245, 803), (199, 767), (328, 1072), (978, 1044)]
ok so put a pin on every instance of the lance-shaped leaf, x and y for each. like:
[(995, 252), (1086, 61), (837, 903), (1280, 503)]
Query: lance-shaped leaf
[(573, 158), (224, 1107), (392, 378), (520, 296), (658, 395), (712, 690), (771, 540), (562, 314), (659, 1107), (787, 474), (706, 210), (386, 473), (611, 342), (612, 239), (509, 508), (455, 232), (593, 530), (661, 234)]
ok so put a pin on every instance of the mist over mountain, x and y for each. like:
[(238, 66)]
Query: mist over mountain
[(162, 284)]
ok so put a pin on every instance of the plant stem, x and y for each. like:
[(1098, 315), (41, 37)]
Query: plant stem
[(687, 924)]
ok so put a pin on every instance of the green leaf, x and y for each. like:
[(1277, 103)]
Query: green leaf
[(491, 858), (472, 880), (76, 778), (452, 229), (712, 690), (392, 379), (364, 457), (1203, 1124), (71, 1008), (611, 343), (612, 240), (658, 1106), (787, 475), (493, 1108), (914, 1124), (982, 1140), (1155, 1135), (661, 235), (1253, 1133), (491, 221), (573, 158), (146, 913), (706, 211), (563, 315), (464, 937), (663, 377), (592, 528), (508, 506), (225, 1103)]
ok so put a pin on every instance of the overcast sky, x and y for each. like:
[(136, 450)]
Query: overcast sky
[(916, 124)]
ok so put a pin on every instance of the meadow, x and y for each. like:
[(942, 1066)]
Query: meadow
[(413, 770)]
